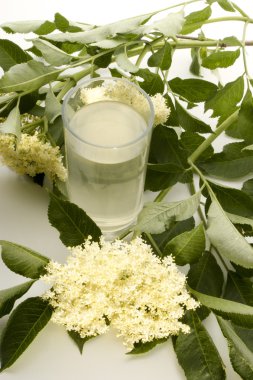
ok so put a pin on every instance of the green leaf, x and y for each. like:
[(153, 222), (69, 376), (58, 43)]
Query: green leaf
[(25, 322), (53, 106), (187, 247), (172, 119), (201, 278), (233, 201), (225, 4), (195, 64), (240, 356), (197, 353), (109, 43), (9, 296), (246, 335), (169, 26), (101, 32), (161, 58), (240, 314), (220, 59), (11, 54), (195, 20), (56, 131), (61, 22), (27, 76), (166, 149), (236, 219), (233, 162), (191, 141), (194, 90), (243, 127), (189, 122), (78, 340), (225, 237), (22, 260), (28, 26), (123, 61), (51, 53), (71, 221), (176, 229), (13, 123), (231, 41), (155, 217), (152, 83), (219, 102), (248, 188), (142, 348), (238, 289)]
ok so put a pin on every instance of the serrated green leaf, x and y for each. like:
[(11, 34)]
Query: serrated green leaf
[(61, 22), (202, 360), (26, 26), (101, 32), (220, 59), (45, 28), (189, 122), (240, 356), (231, 41), (51, 53), (240, 314), (176, 229), (13, 123), (187, 247), (152, 83), (225, 237), (165, 149), (56, 131), (233, 162), (104, 60), (195, 20), (200, 277), (78, 340), (109, 43), (191, 141), (233, 201), (52, 106), (155, 217), (238, 289), (25, 322), (11, 54), (246, 335), (71, 221), (194, 90), (172, 119), (9, 296), (223, 103), (195, 64), (243, 127), (27, 76), (22, 260), (169, 26), (123, 61), (237, 219), (142, 348), (161, 58)]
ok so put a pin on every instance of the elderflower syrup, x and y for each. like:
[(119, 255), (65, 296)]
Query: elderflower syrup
[(107, 144)]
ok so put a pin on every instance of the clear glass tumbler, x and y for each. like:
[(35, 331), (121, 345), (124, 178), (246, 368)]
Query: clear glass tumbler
[(108, 124)]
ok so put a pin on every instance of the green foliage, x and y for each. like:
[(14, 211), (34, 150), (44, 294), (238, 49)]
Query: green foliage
[(197, 353), (80, 342), (71, 221), (25, 322), (142, 348), (142, 49), (22, 260)]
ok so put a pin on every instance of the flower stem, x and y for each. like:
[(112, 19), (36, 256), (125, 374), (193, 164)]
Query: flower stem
[(162, 194), (202, 147)]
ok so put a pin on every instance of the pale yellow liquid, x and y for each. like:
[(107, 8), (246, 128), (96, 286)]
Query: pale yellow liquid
[(106, 179)]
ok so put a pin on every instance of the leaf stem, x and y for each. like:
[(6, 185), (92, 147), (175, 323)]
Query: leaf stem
[(162, 194), (68, 85), (153, 244), (244, 52), (200, 211), (202, 147)]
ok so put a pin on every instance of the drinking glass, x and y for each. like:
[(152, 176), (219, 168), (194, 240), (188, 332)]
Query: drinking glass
[(107, 124)]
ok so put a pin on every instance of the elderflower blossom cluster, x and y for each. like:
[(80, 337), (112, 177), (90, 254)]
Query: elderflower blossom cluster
[(123, 92), (122, 285), (31, 156)]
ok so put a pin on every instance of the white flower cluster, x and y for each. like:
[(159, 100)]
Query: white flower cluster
[(31, 156), (125, 93), (122, 285)]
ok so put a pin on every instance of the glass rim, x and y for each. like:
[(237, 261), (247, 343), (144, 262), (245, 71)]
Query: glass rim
[(104, 78)]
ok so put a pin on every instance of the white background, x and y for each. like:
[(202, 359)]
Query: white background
[(23, 219)]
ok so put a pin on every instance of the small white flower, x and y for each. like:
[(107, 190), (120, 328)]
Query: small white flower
[(122, 283)]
